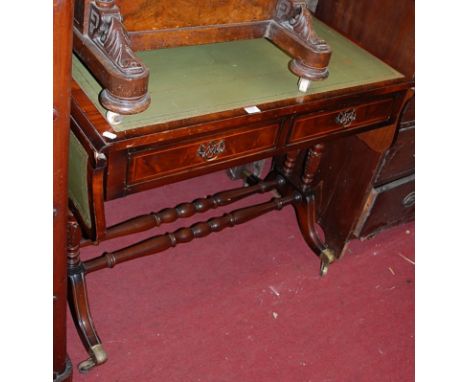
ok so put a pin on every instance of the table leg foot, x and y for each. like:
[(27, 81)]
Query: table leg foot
[(327, 256), (306, 218), (98, 357), (79, 307), (78, 300)]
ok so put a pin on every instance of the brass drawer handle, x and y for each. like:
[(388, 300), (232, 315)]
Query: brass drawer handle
[(211, 150), (409, 200), (346, 117)]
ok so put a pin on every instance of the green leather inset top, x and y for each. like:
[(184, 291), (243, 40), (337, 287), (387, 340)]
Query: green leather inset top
[(198, 80), (77, 179)]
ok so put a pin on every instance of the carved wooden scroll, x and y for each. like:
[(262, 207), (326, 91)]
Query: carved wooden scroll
[(292, 30), (102, 42), (107, 32)]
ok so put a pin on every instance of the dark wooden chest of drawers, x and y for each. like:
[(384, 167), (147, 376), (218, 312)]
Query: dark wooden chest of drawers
[(387, 30)]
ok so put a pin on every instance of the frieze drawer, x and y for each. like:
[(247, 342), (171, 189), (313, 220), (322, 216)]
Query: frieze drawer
[(152, 164), (309, 126)]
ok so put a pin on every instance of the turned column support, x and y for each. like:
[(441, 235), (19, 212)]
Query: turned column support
[(302, 180), (290, 161), (73, 243), (306, 210), (312, 162)]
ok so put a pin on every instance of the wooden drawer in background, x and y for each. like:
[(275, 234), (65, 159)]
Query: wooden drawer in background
[(147, 165), (398, 161), (308, 126), (388, 205)]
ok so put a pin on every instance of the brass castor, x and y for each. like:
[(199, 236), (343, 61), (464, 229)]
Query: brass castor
[(98, 357), (327, 256), (114, 118)]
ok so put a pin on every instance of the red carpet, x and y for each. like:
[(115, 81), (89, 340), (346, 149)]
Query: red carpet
[(247, 304)]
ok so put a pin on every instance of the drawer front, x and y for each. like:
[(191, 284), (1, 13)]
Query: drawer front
[(388, 205), (184, 157), (309, 126), (398, 161)]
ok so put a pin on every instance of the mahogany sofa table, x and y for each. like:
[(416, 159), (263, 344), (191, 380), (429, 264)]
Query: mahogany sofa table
[(217, 106)]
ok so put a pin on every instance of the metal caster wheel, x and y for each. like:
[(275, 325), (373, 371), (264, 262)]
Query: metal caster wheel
[(86, 366), (114, 118), (98, 357), (326, 258), (303, 84)]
